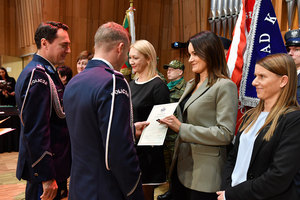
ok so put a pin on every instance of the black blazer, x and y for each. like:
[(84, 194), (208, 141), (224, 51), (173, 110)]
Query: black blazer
[(273, 164)]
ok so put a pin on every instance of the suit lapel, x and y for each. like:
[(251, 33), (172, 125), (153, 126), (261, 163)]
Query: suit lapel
[(189, 87), (199, 92), (259, 140)]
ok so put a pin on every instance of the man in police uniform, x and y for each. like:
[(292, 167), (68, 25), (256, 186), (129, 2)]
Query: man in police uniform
[(99, 116), (176, 86), (44, 154), (292, 39)]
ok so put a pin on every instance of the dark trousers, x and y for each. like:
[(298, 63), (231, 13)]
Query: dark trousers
[(180, 192), (35, 190)]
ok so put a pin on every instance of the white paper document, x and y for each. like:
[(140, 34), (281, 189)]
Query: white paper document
[(154, 134)]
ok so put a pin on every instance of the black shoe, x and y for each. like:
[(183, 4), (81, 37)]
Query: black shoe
[(166, 196)]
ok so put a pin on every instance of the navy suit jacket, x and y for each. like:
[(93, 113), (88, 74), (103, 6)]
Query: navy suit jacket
[(104, 164), (273, 164), (44, 151)]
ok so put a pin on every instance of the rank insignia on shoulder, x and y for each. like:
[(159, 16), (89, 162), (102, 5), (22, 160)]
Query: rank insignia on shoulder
[(49, 68)]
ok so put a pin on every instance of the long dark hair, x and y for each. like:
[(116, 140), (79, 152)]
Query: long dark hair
[(209, 48), (6, 75)]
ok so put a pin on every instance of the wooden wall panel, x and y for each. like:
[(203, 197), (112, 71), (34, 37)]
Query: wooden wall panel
[(190, 17), (8, 45), (2, 27), (161, 22), (28, 17)]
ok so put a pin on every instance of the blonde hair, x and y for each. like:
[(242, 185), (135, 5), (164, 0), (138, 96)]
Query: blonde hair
[(147, 49), (282, 65)]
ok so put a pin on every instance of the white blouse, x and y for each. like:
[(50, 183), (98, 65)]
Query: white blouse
[(245, 150)]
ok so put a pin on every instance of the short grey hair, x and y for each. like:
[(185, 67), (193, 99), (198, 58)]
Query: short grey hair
[(110, 34)]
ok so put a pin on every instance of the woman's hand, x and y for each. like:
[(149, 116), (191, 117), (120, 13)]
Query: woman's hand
[(5, 93), (172, 122), (221, 195)]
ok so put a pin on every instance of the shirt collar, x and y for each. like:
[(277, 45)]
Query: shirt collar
[(105, 61), (52, 66)]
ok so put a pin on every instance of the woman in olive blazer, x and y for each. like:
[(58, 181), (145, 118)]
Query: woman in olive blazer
[(206, 121)]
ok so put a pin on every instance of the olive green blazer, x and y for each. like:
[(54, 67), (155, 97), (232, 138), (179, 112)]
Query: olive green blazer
[(208, 125)]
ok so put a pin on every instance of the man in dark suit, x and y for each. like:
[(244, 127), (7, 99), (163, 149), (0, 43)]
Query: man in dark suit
[(292, 39), (99, 116), (44, 155)]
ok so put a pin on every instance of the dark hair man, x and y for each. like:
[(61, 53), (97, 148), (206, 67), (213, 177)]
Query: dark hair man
[(44, 154)]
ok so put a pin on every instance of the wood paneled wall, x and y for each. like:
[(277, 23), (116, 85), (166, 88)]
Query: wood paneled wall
[(8, 38), (28, 17), (161, 22)]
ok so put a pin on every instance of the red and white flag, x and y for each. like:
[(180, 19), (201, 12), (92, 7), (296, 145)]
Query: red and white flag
[(236, 51)]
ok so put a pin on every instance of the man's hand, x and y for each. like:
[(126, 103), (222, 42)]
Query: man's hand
[(139, 127), (50, 190)]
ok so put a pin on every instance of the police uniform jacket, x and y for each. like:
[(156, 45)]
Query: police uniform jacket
[(44, 151), (104, 161), (273, 164), (208, 122)]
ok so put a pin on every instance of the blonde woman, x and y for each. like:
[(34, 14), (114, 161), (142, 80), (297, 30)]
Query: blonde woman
[(147, 90), (265, 157)]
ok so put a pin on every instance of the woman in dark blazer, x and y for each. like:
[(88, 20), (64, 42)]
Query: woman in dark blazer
[(265, 157), (207, 114)]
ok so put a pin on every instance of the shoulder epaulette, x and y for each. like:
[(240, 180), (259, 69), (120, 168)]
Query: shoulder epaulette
[(40, 67), (119, 74), (111, 71)]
